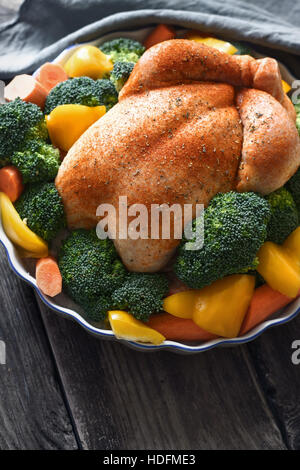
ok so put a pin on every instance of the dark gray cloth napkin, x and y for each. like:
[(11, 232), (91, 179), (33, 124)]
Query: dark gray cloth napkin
[(43, 28)]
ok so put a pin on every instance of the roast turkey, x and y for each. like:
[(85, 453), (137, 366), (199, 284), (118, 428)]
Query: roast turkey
[(191, 122)]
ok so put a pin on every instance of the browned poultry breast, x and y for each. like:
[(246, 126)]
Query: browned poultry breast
[(191, 122)]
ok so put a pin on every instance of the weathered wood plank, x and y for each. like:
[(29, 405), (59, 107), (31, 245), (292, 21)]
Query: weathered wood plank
[(123, 399), (33, 414), (280, 378)]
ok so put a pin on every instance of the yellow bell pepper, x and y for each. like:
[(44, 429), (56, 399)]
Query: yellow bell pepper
[(279, 268), (68, 122), (18, 232), (27, 254), (222, 46), (292, 244), (88, 61), (181, 304), (125, 326), (286, 87), (221, 307)]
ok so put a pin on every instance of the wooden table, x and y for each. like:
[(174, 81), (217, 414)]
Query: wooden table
[(63, 389)]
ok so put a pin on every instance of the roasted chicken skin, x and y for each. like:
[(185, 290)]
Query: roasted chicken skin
[(191, 122), (270, 152)]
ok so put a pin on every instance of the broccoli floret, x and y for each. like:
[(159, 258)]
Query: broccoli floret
[(42, 208), (235, 227), (96, 309), (38, 132), (293, 185), (284, 218), (120, 74), (107, 93), (95, 278), (123, 50), (19, 122), (79, 90), (82, 90), (38, 162), (142, 294), (90, 268)]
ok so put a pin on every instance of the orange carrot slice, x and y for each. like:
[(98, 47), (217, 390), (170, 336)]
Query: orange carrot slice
[(161, 33), (11, 182), (48, 277), (27, 88), (50, 75), (178, 329), (264, 303)]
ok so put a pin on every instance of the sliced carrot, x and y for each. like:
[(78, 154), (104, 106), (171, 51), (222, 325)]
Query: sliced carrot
[(161, 33), (264, 303), (48, 277), (178, 329), (50, 75), (11, 182), (27, 88)]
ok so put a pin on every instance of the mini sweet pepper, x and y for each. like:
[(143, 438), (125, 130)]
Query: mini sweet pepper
[(18, 232), (125, 326), (222, 46), (219, 308), (280, 268), (88, 61), (66, 123)]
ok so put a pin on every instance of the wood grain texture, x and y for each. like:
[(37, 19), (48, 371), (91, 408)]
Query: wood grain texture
[(33, 414), (116, 398), (280, 378), (124, 399)]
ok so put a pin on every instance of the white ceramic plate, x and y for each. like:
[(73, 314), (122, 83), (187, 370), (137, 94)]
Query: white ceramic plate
[(65, 307)]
